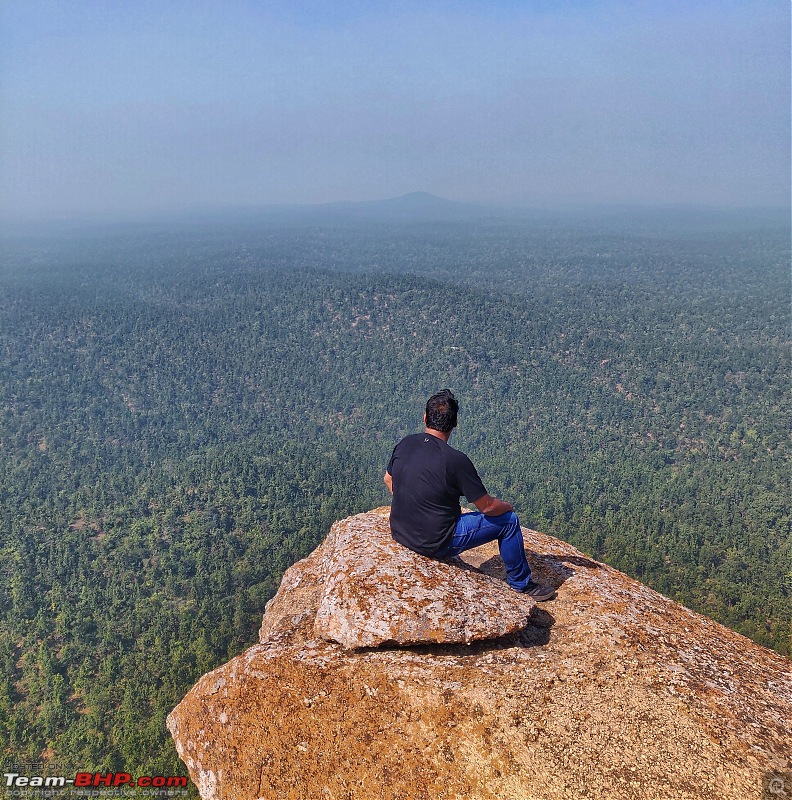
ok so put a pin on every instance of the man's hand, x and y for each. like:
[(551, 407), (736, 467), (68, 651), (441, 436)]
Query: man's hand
[(490, 506), (388, 481)]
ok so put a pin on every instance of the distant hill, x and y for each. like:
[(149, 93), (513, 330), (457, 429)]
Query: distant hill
[(414, 207)]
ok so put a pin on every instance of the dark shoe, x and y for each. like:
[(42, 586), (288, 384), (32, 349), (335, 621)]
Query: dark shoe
[(539, 592)]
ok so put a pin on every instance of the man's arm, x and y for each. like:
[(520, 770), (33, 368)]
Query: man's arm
[(388, 478), (491, 506)]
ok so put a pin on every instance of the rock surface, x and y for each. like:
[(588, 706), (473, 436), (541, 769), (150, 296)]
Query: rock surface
[(372, 591), (611, 691)]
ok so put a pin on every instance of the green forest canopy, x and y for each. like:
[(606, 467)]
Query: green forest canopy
[(185, 410)]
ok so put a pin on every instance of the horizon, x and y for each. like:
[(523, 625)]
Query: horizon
[(149, 109), (338, 208)]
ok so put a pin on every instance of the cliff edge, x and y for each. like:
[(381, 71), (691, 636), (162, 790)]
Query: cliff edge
[(381, 674)]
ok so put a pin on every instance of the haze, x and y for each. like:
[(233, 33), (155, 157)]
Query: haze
[(113, 106)]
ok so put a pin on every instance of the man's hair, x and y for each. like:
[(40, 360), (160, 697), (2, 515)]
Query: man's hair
[(441, 411)]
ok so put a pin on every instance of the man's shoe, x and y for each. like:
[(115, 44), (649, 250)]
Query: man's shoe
[(539, 592)]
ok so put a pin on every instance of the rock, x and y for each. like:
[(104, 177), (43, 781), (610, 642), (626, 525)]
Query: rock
[(361, 588), (612, 692), (377, 591)]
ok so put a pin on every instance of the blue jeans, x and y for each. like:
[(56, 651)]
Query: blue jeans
[(475, 529)]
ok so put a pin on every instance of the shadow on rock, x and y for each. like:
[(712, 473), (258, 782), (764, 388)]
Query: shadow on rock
[(549, 569), (554, 570), (535, 634)]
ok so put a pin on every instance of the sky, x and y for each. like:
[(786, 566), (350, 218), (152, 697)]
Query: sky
[(142, 106)]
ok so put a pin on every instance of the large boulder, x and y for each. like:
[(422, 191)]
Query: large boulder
[(611, 692), (368, 590)]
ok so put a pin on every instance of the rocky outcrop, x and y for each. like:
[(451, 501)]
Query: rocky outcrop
[(609, 691), (369, 590)]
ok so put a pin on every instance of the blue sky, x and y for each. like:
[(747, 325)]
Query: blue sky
[(140, 106)]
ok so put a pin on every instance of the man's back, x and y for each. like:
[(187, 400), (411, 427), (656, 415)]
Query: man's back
[(429, 477)]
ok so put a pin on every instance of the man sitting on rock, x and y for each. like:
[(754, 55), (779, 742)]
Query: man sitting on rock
[(427, 477)]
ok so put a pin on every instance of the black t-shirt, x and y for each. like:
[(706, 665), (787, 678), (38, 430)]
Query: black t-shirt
[(429, 477)]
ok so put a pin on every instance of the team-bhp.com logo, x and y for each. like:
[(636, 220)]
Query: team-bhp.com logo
[(115, 780)]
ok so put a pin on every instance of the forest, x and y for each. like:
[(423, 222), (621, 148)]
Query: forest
[(186, 408)]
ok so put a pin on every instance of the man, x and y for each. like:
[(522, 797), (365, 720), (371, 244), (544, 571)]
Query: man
[(427, 477)]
